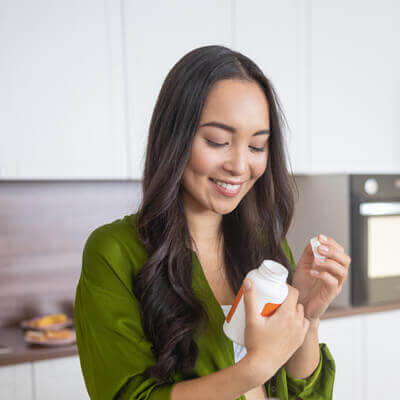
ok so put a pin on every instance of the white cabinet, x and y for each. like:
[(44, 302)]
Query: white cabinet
[(59, 379), (382, 355), (273, 34), (158, 34), (345, 340), (354, 86), (16, 382), (62, 91), (79, 79)]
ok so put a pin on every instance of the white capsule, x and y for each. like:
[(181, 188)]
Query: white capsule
[(314, 245)]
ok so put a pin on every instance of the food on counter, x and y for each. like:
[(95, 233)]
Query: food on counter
[(48, 335), (37, 336), (48, 320), (59, 334)]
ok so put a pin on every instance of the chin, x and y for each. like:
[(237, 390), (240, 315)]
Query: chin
[(227, 210)]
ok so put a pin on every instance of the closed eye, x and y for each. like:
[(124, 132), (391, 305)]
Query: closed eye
[(214, 144)]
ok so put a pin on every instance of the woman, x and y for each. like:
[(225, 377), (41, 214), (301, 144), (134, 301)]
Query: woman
[(217, 201)]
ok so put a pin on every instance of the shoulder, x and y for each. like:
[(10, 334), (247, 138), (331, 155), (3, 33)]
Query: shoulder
[(115, 245)]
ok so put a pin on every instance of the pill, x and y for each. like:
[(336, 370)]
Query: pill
[(314, 245)]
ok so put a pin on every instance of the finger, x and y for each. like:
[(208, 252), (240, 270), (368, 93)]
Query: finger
[(309, 248), (330, 241), (300, 310), (250, 301), (334, 254), (306, 325), (291, 299), (329, 280), (331, 266)]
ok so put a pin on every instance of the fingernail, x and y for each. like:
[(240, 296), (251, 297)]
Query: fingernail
[(247, 284), (323, 238), (324, 249), (314, 272)]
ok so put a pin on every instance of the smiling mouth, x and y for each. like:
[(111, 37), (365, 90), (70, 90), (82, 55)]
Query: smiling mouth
[(227, 188), (227, 183)]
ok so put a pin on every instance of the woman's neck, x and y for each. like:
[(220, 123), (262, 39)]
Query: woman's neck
[(205, 228)]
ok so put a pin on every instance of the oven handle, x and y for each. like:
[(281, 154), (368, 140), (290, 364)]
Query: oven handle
[(380, 208)]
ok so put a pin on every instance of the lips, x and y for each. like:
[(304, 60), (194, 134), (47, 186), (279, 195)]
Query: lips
[(227, 182), (224, 191)]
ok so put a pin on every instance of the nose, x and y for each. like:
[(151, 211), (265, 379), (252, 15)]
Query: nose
[(236, 161)]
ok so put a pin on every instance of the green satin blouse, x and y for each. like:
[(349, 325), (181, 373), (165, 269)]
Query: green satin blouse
[(113, 349)]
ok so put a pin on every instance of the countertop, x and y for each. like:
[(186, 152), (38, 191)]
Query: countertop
[(21, 352)]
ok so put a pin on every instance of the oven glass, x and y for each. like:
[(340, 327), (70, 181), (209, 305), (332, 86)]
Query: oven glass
[(383, 246)]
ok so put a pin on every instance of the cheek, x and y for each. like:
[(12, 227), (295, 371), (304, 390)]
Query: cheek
[(259, 166), (202, 160)]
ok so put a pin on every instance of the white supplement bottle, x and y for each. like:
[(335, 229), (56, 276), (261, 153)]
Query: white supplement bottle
[(270, 282)]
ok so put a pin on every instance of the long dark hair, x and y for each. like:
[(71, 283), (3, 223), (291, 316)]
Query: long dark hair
[(252, 232)]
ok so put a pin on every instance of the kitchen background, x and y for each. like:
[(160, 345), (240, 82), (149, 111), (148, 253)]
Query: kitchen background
[(79, 80)]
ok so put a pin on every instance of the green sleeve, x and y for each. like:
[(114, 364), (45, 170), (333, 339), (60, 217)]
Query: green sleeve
[(317, 386), (112, 347)]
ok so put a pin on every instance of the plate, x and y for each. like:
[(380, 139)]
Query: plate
[(54, 342), (26, 325)]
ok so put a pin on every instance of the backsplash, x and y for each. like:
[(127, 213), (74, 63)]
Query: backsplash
[(43, 228)]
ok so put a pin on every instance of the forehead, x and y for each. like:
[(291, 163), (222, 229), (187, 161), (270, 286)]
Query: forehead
[(239, 103)]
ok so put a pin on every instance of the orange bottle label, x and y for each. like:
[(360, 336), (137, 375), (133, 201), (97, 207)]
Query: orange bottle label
[(235, 304), (268, 309)]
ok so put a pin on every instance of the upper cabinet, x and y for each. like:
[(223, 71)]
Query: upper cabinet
[(79, 79), (354, 86), (62, 91), (157, 35), (273, 34)]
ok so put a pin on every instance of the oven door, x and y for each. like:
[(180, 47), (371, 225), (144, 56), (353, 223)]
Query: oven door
[(376, 246)]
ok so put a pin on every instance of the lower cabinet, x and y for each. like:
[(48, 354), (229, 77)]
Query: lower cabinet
[(60, 379), (367, 352), (16, 382), (345, 340), (382, 355)]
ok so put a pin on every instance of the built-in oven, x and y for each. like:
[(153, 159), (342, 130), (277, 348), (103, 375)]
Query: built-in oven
[(362, 213), (375, 238)]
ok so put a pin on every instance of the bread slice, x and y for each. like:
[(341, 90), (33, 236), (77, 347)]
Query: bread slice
[(37, 336), (48, 320), (60, 334)]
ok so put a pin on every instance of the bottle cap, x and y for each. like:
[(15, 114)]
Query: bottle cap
[(274, 271)]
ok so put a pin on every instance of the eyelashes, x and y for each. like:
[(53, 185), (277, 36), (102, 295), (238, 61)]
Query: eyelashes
[(255, 149)]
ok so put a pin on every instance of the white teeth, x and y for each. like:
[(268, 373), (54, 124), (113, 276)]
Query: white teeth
[(227, 186)]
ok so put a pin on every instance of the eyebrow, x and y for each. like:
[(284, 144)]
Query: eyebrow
[(231, 129)]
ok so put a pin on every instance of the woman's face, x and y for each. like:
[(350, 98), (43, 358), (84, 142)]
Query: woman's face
[(230, 147)]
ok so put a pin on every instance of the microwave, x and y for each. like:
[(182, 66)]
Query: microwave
[(362, 213)]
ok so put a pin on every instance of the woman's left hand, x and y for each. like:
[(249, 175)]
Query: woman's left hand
[(319, 282)]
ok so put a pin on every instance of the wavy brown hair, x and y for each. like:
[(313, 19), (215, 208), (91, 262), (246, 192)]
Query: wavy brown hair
[(252, 232)]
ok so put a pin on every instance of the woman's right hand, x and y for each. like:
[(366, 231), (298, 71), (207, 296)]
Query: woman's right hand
[(271, 341)]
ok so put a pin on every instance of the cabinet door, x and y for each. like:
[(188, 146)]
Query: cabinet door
[(61, 99), (158, 34), (382, 352), (345, 340), (16, 382), (273, 34), (60, 379), (355, 85)]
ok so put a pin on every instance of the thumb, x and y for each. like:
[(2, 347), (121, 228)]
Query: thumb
[(250, 300)]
